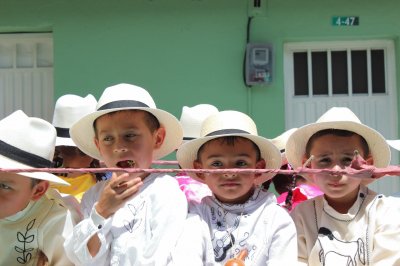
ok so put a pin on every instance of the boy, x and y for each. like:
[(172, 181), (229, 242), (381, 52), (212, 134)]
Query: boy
[(133, 218), (68, 109), (32, 223), (350, 224), (239, 215)]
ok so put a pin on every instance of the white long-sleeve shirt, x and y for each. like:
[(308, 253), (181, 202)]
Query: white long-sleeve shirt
[(142, 232), (369, 234), (215, 232)]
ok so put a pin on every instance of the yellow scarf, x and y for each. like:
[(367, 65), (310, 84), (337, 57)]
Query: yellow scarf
[(79, 185)]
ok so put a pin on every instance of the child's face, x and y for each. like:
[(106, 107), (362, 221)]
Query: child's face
[(125, 140), (16, 191), (336, 152), (72, 157), (229, 188)]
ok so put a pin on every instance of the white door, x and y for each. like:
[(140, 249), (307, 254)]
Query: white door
[(355, 74), (26, 74)]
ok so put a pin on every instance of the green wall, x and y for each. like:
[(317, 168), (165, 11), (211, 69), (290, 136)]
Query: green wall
[(187, 52)]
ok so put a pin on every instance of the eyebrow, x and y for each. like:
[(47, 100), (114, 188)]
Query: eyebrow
[(212, 156)]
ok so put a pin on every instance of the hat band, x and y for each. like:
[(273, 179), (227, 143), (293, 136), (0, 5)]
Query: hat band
[(22, 156), (62, 132), (122, 104), (227, 131), (188, 138)]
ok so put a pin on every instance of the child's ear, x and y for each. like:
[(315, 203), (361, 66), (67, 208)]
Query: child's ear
[(39, 189), (159, 137), (260, 164), (198, 165)]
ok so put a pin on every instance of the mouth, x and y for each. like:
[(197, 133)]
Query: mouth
[(230, 184), (126, 164)]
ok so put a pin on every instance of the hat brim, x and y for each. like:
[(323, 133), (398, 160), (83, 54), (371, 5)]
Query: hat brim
[(296, 146), (6, 162), (82, 132), (65, 142), (187, 154)]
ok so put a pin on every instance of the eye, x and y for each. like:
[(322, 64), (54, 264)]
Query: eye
[(325, 161), (216, 164), (131, 135), (4, 186), (241, 163), (107, 138), (347, 161)]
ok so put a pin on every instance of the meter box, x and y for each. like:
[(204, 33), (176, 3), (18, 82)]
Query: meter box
[(258, 64)]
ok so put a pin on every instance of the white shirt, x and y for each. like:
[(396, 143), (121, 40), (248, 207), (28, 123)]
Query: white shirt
[(142, 232), (369, 234), (215, 232)]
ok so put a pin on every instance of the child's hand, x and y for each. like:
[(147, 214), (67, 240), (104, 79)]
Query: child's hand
[(117, 191)]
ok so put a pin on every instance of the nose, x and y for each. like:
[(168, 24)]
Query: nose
[(120, 147), (229, 175)]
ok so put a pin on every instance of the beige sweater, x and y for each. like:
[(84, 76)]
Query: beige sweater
[(369, 234), (40, 226)]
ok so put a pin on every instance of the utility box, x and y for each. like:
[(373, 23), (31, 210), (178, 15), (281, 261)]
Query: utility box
[(258, 64)]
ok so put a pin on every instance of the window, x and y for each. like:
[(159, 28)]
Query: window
[(339, 71), (26, 74)]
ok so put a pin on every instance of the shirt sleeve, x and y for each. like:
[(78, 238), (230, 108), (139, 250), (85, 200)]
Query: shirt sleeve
[(76, 242), (283, 245), (168, 214), (302, 253), (54, 231), (387, 233), (191, 245)]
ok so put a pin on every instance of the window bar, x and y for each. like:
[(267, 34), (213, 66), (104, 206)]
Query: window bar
[(14, 56), (35, 52), (310, 82), (349, 73), (329, 69), (369, 72)]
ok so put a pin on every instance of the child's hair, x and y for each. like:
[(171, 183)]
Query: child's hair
[(336, 132), (151, 121), (72, 150), (230, 140), (34, 182)]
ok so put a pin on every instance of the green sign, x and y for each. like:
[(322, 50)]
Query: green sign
[(345, 21)]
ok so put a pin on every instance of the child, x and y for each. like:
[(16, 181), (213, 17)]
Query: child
[(69, 109), (32, 224), (191, 120), (133, 218), (239, 215), (350, 224), (292, 189)]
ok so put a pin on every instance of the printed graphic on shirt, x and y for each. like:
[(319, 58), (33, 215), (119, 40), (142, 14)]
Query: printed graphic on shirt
[(131, 225), (25, 238), (335, 252)]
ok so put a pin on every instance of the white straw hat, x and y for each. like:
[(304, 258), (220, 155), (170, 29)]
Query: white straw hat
[(26, 143), (229, 123), (280, 143), (126, 97), (337, 118), (395, 144), (192, 118), (70, 108)]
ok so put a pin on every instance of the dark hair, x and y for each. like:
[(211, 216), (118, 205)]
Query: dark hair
[(339, 133), (151, 121), (230, 140), (34, 182)]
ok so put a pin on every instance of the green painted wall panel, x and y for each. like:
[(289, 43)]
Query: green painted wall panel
[(188, 51)]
